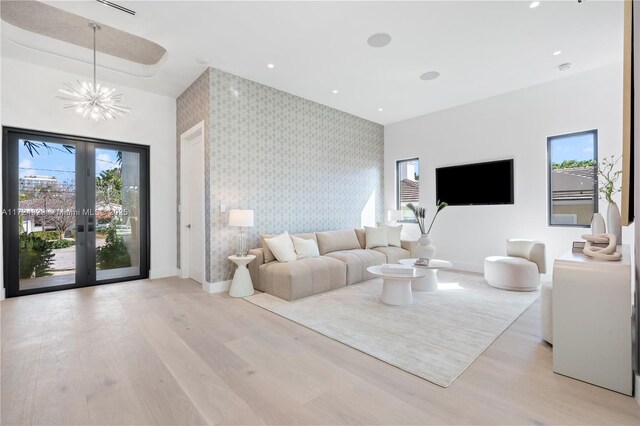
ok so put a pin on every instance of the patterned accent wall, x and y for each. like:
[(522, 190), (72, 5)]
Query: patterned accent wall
[(192, 107), (299, 165)]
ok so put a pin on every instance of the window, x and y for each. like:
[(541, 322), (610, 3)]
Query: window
[(407, 186), (573, 195)]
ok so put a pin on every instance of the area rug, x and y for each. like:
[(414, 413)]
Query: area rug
[(436, 338)]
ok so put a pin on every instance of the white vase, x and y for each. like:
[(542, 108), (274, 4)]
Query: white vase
[(613, 222), (597, 224), (425, 250)]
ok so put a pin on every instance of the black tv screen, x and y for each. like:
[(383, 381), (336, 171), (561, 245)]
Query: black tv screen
[(476, 184)]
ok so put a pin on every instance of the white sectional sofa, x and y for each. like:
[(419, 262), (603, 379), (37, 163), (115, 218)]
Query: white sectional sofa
[(343, 261)]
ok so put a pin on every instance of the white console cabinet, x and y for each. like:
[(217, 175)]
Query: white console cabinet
[(592, 320)]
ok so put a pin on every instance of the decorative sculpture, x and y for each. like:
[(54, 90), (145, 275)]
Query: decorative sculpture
[(603, 253)]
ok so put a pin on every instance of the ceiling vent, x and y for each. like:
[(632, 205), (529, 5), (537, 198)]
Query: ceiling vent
[(117, 6)]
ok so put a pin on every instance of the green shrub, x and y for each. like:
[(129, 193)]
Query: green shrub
[(47, 235), (113, 254), (59, 244), (35, 255)]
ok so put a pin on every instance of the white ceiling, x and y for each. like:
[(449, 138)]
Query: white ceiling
[(480, 48)]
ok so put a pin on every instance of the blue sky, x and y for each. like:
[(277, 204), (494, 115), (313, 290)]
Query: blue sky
[(579, 147), (59, 163)]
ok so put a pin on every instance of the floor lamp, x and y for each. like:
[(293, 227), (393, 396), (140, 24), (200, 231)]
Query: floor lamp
[(241, 219)]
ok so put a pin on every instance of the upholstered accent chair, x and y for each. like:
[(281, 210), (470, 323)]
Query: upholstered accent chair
[(520, 269)]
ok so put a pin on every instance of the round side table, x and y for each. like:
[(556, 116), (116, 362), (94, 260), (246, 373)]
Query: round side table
[(430, 281), (241, 286)]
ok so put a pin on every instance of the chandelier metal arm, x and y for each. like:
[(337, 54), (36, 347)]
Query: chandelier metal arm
[(93, 100)]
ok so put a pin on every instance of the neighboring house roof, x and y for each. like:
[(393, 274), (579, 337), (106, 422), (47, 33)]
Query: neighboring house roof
[(573, 184), (409, 191)]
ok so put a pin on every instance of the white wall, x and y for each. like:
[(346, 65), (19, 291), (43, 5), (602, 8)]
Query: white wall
[(513, 125), (29, 101)]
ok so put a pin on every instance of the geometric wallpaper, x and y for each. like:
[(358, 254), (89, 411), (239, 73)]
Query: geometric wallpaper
[(299, 165)]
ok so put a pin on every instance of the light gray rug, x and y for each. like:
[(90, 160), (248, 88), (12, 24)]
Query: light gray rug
[(436, 338)]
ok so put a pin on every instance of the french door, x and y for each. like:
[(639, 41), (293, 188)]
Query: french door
[(75, 211)]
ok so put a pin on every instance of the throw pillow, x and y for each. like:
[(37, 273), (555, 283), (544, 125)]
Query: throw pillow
[(376, 237), (282, 247), (393, 233), (305, 248), (268, 256)]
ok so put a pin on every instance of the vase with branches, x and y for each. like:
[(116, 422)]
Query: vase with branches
[(608, 175), (425, 250)]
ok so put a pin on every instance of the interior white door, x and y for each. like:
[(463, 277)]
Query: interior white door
[(195, 225)]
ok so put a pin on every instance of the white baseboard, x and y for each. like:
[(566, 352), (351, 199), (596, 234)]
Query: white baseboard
[(162, 273), (468, 267), (217, 287), (637, 389)]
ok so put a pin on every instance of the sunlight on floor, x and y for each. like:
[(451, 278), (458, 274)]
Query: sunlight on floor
[(449, 286)]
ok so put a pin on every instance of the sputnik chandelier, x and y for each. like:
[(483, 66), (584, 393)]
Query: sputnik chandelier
[(94, 100)]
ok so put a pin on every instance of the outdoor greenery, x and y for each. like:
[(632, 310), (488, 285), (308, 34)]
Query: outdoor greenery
[(420, 213), (572, 164), (609, 177), (109, 186), (113, 254), (47, 235), (35, 256), (60, 244)]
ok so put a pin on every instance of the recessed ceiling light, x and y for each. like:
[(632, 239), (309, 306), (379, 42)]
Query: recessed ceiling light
[(270, 66), (334, 91), (379, 40), (534, 4), (380, 109), (557, 52), (430, 75), (565, 66)]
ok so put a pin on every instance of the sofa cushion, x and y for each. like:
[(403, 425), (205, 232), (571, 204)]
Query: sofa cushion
[(357, 261), (376, 237), (305, 247), (362, 237), (337, 240), (302, 278), (282, 247), (393, 254)]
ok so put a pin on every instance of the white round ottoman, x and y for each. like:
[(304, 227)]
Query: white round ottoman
[(546, 312), (511, 273)]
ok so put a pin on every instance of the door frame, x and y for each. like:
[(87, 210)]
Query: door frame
[(184, 207), (11, 256)]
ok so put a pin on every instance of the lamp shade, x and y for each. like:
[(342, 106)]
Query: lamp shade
[(394, 215), (243, 218)]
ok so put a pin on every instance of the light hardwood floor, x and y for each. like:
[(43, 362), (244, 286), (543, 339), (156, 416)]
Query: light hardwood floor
[(165, 352)]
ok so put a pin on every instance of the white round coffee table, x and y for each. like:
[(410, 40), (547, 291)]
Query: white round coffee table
[(430, 281), (241, 286), (396, 288)]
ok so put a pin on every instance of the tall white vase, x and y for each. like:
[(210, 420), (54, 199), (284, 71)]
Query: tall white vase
[(613, 221), (425, 250)]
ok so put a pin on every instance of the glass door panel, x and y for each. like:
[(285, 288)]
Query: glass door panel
[(46, 213), (117, 211), (75, 212)]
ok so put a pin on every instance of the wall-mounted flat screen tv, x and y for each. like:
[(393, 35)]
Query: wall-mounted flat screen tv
[(476, 184)]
